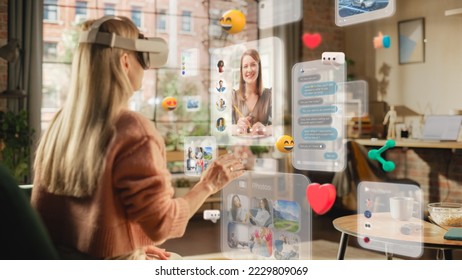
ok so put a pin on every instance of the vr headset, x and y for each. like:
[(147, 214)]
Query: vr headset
[(151, 52)]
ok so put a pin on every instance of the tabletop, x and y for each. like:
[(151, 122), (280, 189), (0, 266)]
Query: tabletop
[(385, 228)]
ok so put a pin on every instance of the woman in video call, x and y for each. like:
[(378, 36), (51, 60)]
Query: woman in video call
[(252, 104), (237, 212), (263, 216), (101, 181)]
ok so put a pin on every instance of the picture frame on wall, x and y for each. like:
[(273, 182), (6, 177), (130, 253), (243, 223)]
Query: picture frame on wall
[(411, 41)]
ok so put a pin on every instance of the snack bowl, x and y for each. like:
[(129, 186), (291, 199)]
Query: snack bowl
[(447, 214)]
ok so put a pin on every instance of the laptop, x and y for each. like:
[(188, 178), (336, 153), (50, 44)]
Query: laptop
[(442, 128)]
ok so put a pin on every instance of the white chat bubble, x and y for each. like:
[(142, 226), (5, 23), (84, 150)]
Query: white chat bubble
[(211, 215)]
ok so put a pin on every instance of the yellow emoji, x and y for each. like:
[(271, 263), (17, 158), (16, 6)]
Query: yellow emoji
[(233, 21), (285, 144), (169, 103)]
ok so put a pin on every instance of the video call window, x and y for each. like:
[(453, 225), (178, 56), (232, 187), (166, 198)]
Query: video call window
[(247, 80)]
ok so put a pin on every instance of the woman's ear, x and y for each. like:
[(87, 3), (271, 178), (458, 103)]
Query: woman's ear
[(125, 62)]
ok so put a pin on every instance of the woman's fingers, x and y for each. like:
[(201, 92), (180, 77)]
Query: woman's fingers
[(153, 253), (258, 129), (223, 170)]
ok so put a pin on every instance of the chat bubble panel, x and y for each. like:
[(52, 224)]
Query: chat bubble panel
[(319, 134), (319, 110), (319, 89), (311, 101), (312, 146), (315, 120)]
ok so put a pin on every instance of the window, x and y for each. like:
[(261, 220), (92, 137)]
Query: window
[(109, 9), (186, 21), (50, 52), (80, 11), (162, 20), (60, 41), (50, 10), (136, 16)]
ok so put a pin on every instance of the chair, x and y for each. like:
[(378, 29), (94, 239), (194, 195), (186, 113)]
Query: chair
[(23, 234), (360, 168)]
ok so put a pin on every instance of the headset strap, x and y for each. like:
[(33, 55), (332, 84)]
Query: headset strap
[(115, 41)]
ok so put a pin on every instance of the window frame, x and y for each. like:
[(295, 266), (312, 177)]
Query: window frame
[(139, 10), (46, 10), (190, 23)]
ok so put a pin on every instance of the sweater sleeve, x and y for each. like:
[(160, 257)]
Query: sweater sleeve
[(143, 182)]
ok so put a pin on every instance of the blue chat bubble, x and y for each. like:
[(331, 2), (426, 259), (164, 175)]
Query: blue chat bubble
[(319, 89), (331, 155), (316, 120), (318, 110), (311, 101), (319, 134)]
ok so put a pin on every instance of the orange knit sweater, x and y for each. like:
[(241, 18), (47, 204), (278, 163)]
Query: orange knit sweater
[(133, 206)]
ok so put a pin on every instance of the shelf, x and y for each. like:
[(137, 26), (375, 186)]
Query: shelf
[(453, 12), (409, 143)]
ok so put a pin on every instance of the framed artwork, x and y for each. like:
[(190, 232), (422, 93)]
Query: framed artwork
[(411, 36)]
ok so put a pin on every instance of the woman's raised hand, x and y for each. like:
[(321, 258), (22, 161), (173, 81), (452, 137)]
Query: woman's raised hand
[(223, 170)]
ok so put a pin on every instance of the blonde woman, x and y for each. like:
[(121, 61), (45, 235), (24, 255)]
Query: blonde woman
[(101, 183)]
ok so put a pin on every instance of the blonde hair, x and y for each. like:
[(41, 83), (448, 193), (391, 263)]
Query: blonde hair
[(70, 156)]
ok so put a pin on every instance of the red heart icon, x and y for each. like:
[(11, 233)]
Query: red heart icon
[(312, 41), (321, 197)]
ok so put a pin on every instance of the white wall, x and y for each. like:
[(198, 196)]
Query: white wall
[(434, 86)]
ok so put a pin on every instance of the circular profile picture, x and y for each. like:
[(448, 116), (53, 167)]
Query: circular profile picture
[(221, 126), (220, 66), (221, 104), (220, 87)]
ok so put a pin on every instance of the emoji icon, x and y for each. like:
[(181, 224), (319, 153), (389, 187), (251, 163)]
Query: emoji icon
[(285, 144), (169, 103), (321, 197), (232, 21), (211, 215), (312, 41), (382, 41)]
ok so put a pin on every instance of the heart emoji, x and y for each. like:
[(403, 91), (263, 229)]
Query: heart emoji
[(312, 41), (321, 197)]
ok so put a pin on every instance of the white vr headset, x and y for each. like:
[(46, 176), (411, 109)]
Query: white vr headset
[(151, 52)]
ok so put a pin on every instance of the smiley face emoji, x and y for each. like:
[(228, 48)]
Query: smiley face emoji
[(232, 21), (169, 103), (285, 144)]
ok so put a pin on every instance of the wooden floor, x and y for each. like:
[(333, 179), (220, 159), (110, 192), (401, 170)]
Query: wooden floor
[(203, 237)]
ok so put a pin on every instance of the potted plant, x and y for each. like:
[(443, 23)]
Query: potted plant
[(15, 143)]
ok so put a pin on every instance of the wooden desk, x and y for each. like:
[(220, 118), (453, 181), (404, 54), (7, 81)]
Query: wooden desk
[(412, 144), (431, 236), (436, 166)]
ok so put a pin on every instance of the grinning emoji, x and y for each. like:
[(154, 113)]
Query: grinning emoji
[(285, 144), (169, 103), (233, 21)]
